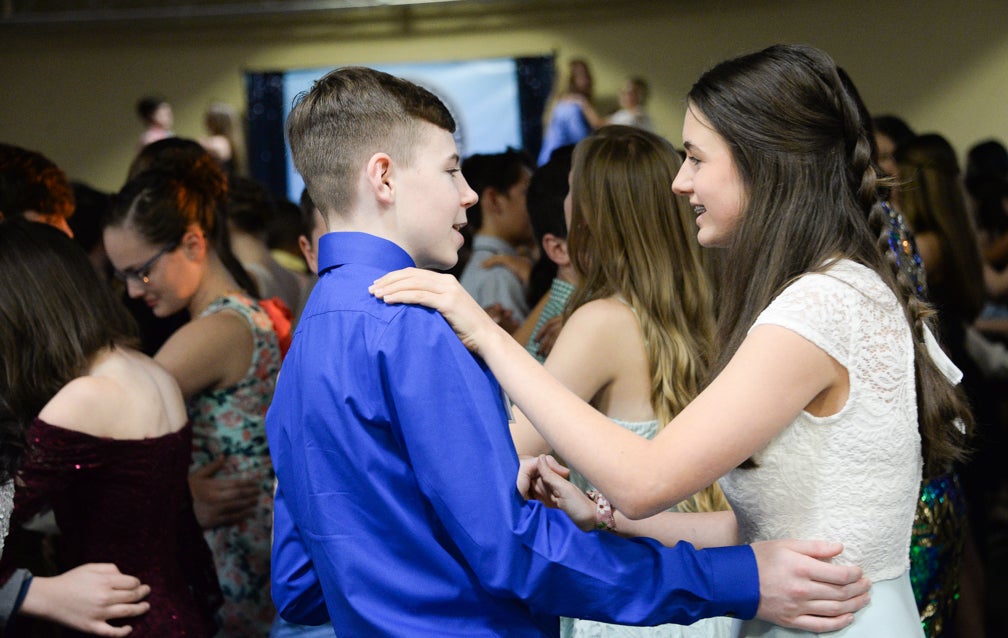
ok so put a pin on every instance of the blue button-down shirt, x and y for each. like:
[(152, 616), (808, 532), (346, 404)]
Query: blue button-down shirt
[(397, 513)]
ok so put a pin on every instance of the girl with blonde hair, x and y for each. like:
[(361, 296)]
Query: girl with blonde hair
[(639, 325)]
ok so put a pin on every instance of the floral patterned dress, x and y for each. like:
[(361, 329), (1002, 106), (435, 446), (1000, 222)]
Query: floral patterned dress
[(230, 423)]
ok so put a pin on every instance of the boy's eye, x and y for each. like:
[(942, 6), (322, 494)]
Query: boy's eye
[(692, 159)]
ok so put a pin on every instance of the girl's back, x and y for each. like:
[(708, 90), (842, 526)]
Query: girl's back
[(110, 453), (600, 355), (124, 395)]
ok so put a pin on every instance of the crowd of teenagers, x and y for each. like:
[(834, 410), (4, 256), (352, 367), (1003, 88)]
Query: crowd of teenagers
[(745, 388)]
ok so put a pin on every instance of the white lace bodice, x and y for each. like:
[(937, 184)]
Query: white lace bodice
[(853, 476)]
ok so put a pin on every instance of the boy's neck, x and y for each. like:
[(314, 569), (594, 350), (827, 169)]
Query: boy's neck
[(361, 223)]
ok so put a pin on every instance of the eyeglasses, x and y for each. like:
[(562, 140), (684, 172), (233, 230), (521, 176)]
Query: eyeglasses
[(142, 272)]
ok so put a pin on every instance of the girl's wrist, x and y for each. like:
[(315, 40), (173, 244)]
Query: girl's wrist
[(492, 338), (603, 519)]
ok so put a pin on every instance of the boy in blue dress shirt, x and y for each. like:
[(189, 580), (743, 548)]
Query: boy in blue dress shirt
[(397, 512)]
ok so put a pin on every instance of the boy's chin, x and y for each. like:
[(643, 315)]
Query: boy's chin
[(439, 264)]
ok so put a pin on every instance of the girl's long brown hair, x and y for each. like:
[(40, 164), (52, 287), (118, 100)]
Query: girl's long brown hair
[(56, 314), (803, 152)]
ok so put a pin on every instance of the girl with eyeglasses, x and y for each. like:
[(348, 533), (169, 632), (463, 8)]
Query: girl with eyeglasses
[(166, 239)]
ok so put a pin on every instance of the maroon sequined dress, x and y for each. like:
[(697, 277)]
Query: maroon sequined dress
[(126, 502)]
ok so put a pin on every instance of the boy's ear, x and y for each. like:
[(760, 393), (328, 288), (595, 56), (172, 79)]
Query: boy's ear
[(378, 174), (556, 249)]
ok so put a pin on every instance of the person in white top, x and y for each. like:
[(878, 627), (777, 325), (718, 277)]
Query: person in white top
[(813, 410), (632, 98), (157, 117)]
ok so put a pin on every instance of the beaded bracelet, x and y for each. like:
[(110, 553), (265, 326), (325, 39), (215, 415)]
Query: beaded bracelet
[(604, 518)]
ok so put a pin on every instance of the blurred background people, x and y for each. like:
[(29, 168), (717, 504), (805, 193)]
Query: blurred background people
[(157, 117), (570, 115), (632, 98), (500, 228), (224, 138), (167, 239), (105, 435)]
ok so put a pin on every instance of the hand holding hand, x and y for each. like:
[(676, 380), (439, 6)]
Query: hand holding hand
[(86, 598), (442, 293), (530, 482), (528, 476), (563, 494), (799, 589), (220, 501)]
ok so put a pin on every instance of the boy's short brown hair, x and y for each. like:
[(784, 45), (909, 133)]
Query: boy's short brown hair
[(347, 116)]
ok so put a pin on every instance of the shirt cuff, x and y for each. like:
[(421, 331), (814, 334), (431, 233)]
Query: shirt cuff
[(22, 593), (12, 594), (736, 580)]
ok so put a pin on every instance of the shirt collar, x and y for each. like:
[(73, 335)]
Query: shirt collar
[(340, 248)]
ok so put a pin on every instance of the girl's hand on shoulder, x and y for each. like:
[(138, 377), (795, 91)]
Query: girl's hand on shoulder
[(442, 293)]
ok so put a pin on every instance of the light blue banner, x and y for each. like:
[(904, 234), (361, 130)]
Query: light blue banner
[(482, 96)]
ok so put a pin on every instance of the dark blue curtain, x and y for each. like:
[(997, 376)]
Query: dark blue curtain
[(535, 81), (266, 147)]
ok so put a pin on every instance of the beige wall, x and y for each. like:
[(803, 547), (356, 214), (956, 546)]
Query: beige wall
[(69, 91)]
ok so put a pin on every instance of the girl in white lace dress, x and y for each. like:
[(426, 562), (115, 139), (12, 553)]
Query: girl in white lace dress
[(635, 351), (814, 411)]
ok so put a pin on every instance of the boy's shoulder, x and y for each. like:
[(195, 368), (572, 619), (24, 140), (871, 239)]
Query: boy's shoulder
[(346, 291)]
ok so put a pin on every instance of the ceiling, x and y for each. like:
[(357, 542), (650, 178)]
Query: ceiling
[(91, 11)]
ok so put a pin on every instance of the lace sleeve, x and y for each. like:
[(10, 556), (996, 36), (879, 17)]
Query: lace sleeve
[(820, 308)]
